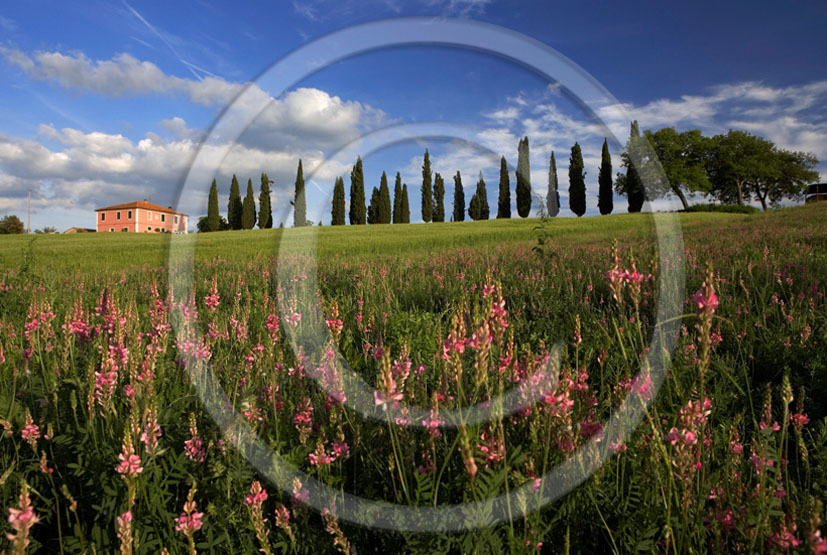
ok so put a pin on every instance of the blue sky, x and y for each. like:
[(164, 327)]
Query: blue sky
[(106, 102)]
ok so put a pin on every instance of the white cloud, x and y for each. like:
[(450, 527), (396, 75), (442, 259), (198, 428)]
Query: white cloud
[(123, 75)]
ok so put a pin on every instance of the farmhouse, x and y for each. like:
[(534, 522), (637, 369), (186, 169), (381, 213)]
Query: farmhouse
[(816, 192), (140, 217)]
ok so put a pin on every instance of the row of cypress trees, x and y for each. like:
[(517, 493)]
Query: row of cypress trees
[(241, 214)]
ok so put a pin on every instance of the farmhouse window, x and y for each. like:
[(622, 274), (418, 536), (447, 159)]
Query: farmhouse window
[(103, 216), (163, 217), (117, 215), (129, 215), (175, 218)]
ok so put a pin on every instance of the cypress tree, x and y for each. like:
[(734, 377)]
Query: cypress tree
[(384, 208), (265, 213), (604, 196), (404, 207), (299, 200), (248, 208), (439, 198), (485, 211), (234, 208), (427, 193), (357, 213), (397, 200), (634, 184), (577, 182), (553, 195), (213, 217), (337, 216), (504, 200), (523, 180), (373, 207), (474, 207), (459, 199)]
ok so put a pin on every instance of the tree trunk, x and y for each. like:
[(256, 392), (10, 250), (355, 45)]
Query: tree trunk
[(740, 192), (679, 193), (763, 200)]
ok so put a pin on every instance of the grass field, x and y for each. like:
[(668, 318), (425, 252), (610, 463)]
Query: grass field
[(109, 444)]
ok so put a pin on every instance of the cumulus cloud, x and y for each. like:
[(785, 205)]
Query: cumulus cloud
[(88, 170), (793, 117), (123, 75)]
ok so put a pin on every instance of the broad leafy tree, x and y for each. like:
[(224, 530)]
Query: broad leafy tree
[(678, 166), (11, 225), (788, 176), (739, 160)]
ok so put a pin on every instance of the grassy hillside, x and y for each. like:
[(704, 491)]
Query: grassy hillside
[(117, 251)]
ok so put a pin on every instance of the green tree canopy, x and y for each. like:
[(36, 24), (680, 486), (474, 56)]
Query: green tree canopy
[(265, 211), (577, 182), (397, 199), (605, 203), (630, 183), (373, 207), (553, 195), (523, 180), (459, 199), (337, 216), (439, 198), (234, 207), (299, 199), (478, 207), (213, 217), (679, 164), (788, 176), (405, 207), (427, 193), (11, 225), (248, 209), (504, 197), (357, 213), (383, 211)]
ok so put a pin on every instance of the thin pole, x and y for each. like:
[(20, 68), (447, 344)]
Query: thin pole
[(29, 214)]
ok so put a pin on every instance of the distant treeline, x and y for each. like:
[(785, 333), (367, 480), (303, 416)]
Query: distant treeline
[(734, 168)]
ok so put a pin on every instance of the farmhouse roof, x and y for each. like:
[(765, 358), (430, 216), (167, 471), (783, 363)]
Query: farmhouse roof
[(141, 204)]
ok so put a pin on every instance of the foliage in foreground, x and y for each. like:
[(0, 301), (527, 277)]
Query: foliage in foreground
[(107, 445)]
